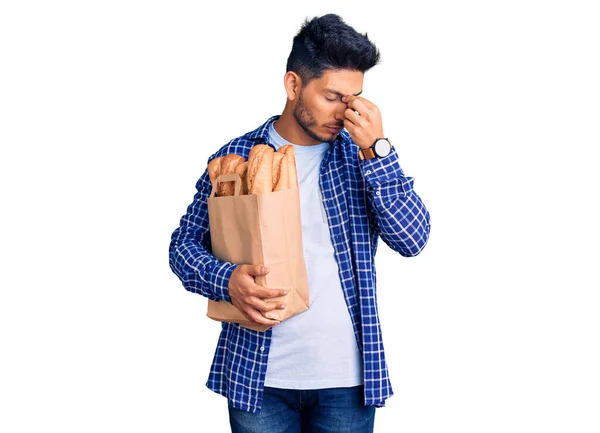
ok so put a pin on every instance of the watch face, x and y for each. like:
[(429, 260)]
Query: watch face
[(382, 148)]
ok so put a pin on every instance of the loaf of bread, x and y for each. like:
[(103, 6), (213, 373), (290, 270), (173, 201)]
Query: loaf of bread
[(259, 174), (290, 164), (214, 168), (265, 170), (229, 164), (226, 164), (241, 170), (280, 172)]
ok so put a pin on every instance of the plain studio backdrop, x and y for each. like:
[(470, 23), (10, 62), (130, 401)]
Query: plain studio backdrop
[(109, 111)]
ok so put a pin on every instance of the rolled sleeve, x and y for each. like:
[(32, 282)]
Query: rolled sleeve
[(396, 211)]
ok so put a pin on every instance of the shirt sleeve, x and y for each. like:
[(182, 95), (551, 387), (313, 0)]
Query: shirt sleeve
[(396, 211), (190, 254)]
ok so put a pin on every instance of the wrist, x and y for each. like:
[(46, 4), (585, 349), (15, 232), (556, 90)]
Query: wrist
[(380, 148)]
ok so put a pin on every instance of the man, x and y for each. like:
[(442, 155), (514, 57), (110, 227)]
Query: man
[(324, 369)]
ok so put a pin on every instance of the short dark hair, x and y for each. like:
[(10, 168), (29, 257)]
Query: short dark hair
[(328, 43)]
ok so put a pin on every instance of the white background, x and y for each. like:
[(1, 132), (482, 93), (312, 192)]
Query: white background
[(108, 112)]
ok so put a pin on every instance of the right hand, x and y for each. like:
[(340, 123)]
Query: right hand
[(250, 298)]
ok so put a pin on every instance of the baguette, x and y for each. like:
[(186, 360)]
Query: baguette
[(290, 160), (214, 168), (259, 174), (241, 170), (280, 172), (229, 163)]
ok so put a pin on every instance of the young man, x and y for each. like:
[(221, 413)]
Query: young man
[(324, 369)]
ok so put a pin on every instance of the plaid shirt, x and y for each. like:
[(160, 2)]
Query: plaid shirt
[(364, 200)]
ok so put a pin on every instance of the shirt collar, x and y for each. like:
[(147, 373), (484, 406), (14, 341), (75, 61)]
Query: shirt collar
[(262, 132)]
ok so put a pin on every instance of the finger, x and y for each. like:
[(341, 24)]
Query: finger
[(267, 292), (255, 316), (265, 306), (360, 106), (348, 99), (271, 305), (350, 127), (243, 308), (255, 269), (352, 116)]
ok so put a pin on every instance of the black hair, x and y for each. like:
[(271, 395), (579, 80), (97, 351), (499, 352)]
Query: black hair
[(328, 43)]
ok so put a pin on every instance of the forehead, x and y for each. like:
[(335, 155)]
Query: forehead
[(344, 81)]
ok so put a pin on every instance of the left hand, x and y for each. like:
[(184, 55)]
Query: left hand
[(362, 121)]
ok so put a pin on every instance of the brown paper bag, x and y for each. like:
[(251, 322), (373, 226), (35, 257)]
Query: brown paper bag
[(260, 229)]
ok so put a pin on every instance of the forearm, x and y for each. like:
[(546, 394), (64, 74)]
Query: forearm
[(190, 257), (398, 213), (199, 271)]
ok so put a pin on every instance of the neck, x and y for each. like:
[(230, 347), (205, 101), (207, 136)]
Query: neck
[(290, 130)]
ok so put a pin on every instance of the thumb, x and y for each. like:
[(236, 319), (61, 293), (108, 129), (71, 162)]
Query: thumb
[(256, 269)]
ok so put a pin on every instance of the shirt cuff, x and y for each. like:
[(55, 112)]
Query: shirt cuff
[(219, 279), (379, 172)]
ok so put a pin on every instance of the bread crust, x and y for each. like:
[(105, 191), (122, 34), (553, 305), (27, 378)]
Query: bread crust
[(290, 159), (277, 158), (241, 170), (229, 163), (214, 167), (280, 172), (260, 169)]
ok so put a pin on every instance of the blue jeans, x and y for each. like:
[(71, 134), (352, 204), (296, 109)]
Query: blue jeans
[(339, 410)]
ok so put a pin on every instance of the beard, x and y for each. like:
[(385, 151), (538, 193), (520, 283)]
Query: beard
[(307, 121)]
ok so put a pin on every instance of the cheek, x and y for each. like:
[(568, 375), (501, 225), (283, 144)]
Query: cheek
[(324, 110)]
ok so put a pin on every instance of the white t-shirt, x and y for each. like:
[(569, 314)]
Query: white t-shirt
[(317, 348)]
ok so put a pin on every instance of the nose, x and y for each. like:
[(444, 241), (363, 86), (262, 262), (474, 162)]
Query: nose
[(340, 109)]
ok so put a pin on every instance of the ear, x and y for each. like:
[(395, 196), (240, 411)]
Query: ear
[(293, 85)]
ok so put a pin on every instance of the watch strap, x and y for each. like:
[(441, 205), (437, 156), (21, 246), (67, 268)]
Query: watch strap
[(366, 153)]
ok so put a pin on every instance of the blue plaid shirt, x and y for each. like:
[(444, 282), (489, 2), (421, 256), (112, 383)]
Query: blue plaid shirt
[(364, 200)]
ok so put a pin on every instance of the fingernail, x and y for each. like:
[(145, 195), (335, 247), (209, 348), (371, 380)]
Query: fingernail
[(265, 269), (282, 306)]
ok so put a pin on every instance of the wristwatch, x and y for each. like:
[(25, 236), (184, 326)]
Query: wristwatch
[(380, 148)]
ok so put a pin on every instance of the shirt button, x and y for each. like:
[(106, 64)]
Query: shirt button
[(368, 172), (262, 348), (377, 193)]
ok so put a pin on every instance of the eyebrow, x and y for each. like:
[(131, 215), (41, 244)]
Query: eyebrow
[(341, 95)]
